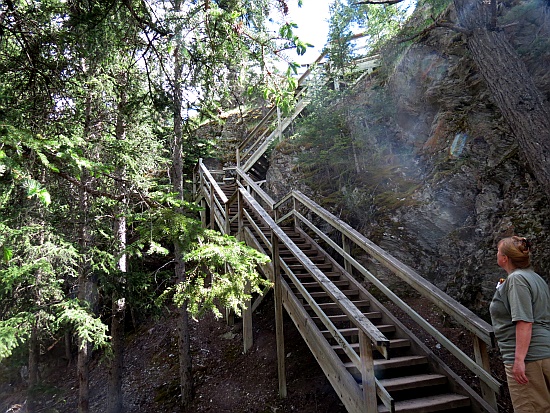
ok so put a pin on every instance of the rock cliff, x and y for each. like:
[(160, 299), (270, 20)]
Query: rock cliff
[(437, 177)]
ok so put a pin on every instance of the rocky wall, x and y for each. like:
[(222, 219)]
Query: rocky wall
[(446, 135)]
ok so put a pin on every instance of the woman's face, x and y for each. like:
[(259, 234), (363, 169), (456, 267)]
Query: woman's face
[(501, 258)]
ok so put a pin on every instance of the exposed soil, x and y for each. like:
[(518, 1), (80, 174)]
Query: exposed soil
[(226, 380)]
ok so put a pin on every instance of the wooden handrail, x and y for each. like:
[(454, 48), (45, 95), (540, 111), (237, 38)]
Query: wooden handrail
[(463, 315), (214, 184), (360, 320), (255, 188), (264, 120), (482, 331)]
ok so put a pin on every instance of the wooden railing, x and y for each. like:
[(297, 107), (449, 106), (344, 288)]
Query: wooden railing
[(297, 207), (273, 239), (482, 332), (369, 336)]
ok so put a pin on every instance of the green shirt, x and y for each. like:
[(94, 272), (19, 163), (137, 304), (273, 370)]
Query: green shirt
[(524, 296)]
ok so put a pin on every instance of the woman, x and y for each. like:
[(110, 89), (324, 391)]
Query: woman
[(520, 312)]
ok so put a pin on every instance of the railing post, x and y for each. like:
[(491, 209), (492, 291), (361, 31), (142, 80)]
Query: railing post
[(295, 208), (212, 210), (279, 127), (240, 215), (248, 338), (278, 315), (367, 373), (227, 228), (346, 246), (203, 212), (482, 359)]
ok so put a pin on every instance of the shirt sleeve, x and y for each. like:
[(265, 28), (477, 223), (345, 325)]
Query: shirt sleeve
[(520, 299)]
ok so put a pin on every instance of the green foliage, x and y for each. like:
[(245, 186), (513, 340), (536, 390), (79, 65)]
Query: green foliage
[(32, 289), (89, 329), (378, 24), (13, 332), (218, 267), (87, 99), (220, 270)]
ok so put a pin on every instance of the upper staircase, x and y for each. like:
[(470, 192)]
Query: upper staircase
[(373, 361)]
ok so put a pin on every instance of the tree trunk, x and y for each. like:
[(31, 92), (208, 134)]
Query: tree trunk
[(186, 374), (511, 86), (184, 341), (34, 352), (86, 285), (114, 393), (114, 396)]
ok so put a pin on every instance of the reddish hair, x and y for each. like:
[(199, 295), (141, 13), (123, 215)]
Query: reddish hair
[(517, 249)]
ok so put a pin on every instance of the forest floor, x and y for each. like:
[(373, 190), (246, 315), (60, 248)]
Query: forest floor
[(226, 380)]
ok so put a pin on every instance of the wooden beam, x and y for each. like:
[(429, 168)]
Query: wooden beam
[(279, 316)]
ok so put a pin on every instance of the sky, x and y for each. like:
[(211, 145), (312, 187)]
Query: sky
[(312, 20)]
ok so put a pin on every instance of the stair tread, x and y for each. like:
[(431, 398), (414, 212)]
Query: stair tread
[(318, 294), (395, 343), (383, 328), (413, 381), (394, 362), (312, 284), (439, 402), (343, 317), (331, 305), (400, 361)]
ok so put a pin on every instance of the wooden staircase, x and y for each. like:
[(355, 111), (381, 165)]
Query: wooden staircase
[(373, 361)]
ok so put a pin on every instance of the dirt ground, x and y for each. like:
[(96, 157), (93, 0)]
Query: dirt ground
[(226, 380)]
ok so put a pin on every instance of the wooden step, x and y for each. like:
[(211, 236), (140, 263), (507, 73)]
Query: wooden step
[(353, 331), (375, 315), (321, 294), (330, 275), (394, 362), (332, 305), (398, 362), (436, 403), (315, 284), (321, 265), (395, 343), (413, 382)]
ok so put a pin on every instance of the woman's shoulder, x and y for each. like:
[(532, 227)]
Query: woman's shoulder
[(525, 276), (519, 272)]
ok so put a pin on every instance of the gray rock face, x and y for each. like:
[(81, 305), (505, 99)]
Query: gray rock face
[(446, 136)]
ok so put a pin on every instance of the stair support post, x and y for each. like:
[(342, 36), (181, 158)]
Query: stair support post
[(227, 228), (368, 379), (278, 315), (346, 246), (212, 211), (482, 359), (248, 338), (203, 212)]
